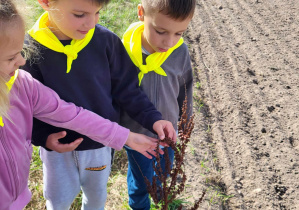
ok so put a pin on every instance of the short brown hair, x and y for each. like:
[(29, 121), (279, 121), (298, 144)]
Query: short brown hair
[(176, 9)]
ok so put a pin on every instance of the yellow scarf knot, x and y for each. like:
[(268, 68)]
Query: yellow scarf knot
[(9, 85), (70, 52), (144, 68), (133, 45), (42, 34)]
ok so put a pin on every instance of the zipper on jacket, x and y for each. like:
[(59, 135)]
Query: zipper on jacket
[(155, 102), (12, 169)]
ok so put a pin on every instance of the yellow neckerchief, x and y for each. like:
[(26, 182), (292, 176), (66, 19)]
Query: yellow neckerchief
[(9, 86), (41, 33), (132, 43)]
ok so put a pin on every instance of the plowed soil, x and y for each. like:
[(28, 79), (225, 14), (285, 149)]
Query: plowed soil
[(245, 146)]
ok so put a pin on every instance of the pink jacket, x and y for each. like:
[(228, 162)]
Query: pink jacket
[(28, 99)]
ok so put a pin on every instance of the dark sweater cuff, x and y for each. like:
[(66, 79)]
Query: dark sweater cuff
[(150, 123)]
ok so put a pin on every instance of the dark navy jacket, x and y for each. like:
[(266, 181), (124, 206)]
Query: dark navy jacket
[(102, 79)]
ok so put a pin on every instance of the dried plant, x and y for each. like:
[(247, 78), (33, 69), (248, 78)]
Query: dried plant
[(172, 179)]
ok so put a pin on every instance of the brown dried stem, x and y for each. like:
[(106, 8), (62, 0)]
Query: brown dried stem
[(171, 189)]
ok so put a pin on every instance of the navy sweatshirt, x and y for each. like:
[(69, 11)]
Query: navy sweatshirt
[(102, 79)]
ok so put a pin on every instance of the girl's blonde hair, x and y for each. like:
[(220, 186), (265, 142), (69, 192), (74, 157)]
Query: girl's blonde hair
[(4, 97), (8, 15)]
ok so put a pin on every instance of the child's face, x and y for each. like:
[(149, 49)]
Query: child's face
[(162, 32), (72, 19), (11, 45)]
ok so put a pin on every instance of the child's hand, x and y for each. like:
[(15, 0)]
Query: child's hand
[(53, 143), (164, 128), (143, 144)]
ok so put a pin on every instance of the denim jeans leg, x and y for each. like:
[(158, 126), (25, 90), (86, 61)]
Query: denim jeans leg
[(163, 162), (139, 167)]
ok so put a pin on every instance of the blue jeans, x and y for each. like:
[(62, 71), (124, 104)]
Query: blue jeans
[(140, 166)]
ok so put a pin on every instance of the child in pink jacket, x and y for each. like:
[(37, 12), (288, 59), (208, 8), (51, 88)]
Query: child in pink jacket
[(22, 98)]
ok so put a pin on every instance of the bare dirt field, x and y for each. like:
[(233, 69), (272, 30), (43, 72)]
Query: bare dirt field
[(245, 146)]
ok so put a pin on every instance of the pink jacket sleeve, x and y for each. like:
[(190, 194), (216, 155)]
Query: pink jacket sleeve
[(48, 107)]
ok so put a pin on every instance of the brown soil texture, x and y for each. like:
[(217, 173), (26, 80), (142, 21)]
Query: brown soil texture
[(245, 144)]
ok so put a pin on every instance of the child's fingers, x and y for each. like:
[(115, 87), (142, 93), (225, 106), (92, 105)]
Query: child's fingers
[(147, 155), (171, 133), (152, 141), (56, 136), (159, 128), (152, 152), (164, 144), (71, 146), (52, 140), (160, 132), (154, 145), (161, 151), (174, 136), (54, 144)]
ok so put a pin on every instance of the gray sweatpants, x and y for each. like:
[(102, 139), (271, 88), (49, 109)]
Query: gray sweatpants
[(65, 174)]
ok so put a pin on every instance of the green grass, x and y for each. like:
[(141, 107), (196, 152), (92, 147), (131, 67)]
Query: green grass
[(117, 21), (198, 102), (116, 16), (198, 85), (172, 206)]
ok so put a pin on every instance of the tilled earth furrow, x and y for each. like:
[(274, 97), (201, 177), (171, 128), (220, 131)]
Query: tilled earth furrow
[(246, 62)]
